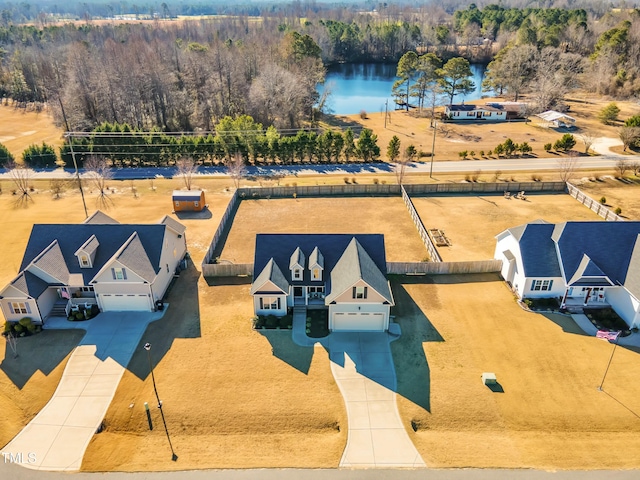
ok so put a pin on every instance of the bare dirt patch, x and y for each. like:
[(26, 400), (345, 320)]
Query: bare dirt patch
[(386, 215), (472, 222), (550, 415)]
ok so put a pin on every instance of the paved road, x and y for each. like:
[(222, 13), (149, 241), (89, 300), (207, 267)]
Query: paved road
[(486, 166), (13, 472)]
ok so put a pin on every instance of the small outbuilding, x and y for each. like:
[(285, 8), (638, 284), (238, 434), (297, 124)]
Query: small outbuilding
[(188, 200), (554, 119)]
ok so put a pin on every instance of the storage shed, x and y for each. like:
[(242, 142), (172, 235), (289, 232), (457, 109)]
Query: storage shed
[(188, 200)]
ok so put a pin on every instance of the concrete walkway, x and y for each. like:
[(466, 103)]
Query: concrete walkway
[(58, 436), (363, 368), (589, 328)]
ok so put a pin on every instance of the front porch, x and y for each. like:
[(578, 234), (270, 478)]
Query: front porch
[(311, 297), (73, 300), (576, 299)]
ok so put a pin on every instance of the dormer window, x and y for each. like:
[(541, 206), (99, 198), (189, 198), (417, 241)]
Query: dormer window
[(84, 261), (297, 274), (316, 265), (316, 273)]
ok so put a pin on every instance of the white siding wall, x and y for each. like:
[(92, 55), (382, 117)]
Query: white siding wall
[(171, 243), (46, 301), (624, 304), (509, 243), (557, 289), (17, 316)]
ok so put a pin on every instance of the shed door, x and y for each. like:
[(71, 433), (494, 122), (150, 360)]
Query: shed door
[(358, 322), (124, 303)]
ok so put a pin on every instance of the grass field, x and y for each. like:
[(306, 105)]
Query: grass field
[(20, 128), (550, 415), (472, 222), (618, 194), (387, 215)]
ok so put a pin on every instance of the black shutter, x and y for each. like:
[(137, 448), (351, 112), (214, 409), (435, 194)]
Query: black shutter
[(354, 292)]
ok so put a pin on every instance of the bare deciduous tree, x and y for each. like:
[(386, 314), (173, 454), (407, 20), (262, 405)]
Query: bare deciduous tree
[(186, 168), (622, 167), (20, 175), (57, 187), (628, 135), (635, 166), (236, 169), (567, 166), (587, 138), (98, 172)]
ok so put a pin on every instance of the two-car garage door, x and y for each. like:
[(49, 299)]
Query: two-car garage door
[(358, 321), (124, 303)]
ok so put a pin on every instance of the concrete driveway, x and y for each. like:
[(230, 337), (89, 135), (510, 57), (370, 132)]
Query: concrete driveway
[(58, 436), (362, 366)]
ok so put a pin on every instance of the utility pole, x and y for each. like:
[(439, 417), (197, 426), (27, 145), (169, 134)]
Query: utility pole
[(75, 164), (386, 104), (433, 148)]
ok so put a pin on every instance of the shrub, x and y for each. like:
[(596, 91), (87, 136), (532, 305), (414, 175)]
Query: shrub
[(463, 154), (603, 200), (609, 114), (26, 322), (547, 147), (618, 211), (482, 153), (346, 180), (18, 328), (286, 321), (467, 178), (496, 175), (376, 181), (7, 327), (476, 175), (363, 114), (79, 315), (472, 153), (271, 321), (527, 302)]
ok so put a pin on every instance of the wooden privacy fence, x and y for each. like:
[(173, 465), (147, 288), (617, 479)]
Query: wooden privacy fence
[(589, 202), (426, 239), (318, 191), (228, 214), (443, 268), (499, 187), (226, 269)]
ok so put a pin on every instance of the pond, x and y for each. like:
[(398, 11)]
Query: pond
[(366, 86)]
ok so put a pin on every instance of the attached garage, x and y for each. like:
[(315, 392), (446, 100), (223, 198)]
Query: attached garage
[(125, 303), (358, 321)]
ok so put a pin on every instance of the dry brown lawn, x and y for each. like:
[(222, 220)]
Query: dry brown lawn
[(387, 215), (550, 416), (618, 194), (472, 222), (20, 128)]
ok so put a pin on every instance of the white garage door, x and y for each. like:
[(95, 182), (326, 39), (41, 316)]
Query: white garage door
[(358, 322), (124, 303)]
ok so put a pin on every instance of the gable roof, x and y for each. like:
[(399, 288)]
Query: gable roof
[(316, 258), (270, 273), (464, 107), (538, 252), (133, 255), (100, 218), (187, 195), (173, 224), (587, 268), (68, 238), (29, 284), (356, 264), (279, 246), (632, 282), (89, 246), (297, 258)]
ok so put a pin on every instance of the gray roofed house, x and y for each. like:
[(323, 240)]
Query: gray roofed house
[(581, 263), (342, 275), (118, 267)]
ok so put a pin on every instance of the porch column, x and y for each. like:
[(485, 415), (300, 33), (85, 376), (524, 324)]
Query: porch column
[(564, 299), (586, 298), (305, 292)]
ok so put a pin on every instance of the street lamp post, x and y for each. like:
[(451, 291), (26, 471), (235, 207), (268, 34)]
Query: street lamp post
[(147, 347)]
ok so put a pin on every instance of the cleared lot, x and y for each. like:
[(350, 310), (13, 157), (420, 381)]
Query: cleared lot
[(472, 222), (387, 215), (549, 416)]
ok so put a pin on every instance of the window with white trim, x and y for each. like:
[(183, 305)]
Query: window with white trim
[(270, 303), (20, 307), (316, 274), (119, 273), (86, 289), (359, 292), (315, 289), (84, 261), (541, 285), (297, 274)]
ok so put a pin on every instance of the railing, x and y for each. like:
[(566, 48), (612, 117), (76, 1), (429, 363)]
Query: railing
[(426, 239), (589, 202), (443, 268)]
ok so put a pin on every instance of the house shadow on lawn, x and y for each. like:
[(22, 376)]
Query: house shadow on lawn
[(182, 320), (565, 322), (283, 347), (409, 358), (204, 214), (41, 352)]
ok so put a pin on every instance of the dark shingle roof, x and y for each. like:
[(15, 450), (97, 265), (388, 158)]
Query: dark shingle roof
[(173, 224), (356, 264), (89, 246), (270, 273), (316, 258), (609, 245), (538, 251), (30, 284), (187, 195), (281, 246), (297, 258), (69, 237), (51, 261)]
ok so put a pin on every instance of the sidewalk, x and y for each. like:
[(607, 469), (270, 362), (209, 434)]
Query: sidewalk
[(58, 436)]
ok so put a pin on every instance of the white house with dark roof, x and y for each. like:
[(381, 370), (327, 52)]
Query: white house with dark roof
[(118, 267), (345, 274), (583, 263)]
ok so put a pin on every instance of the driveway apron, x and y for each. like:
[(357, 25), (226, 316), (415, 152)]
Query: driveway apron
[(363, 368), (58, 436)]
